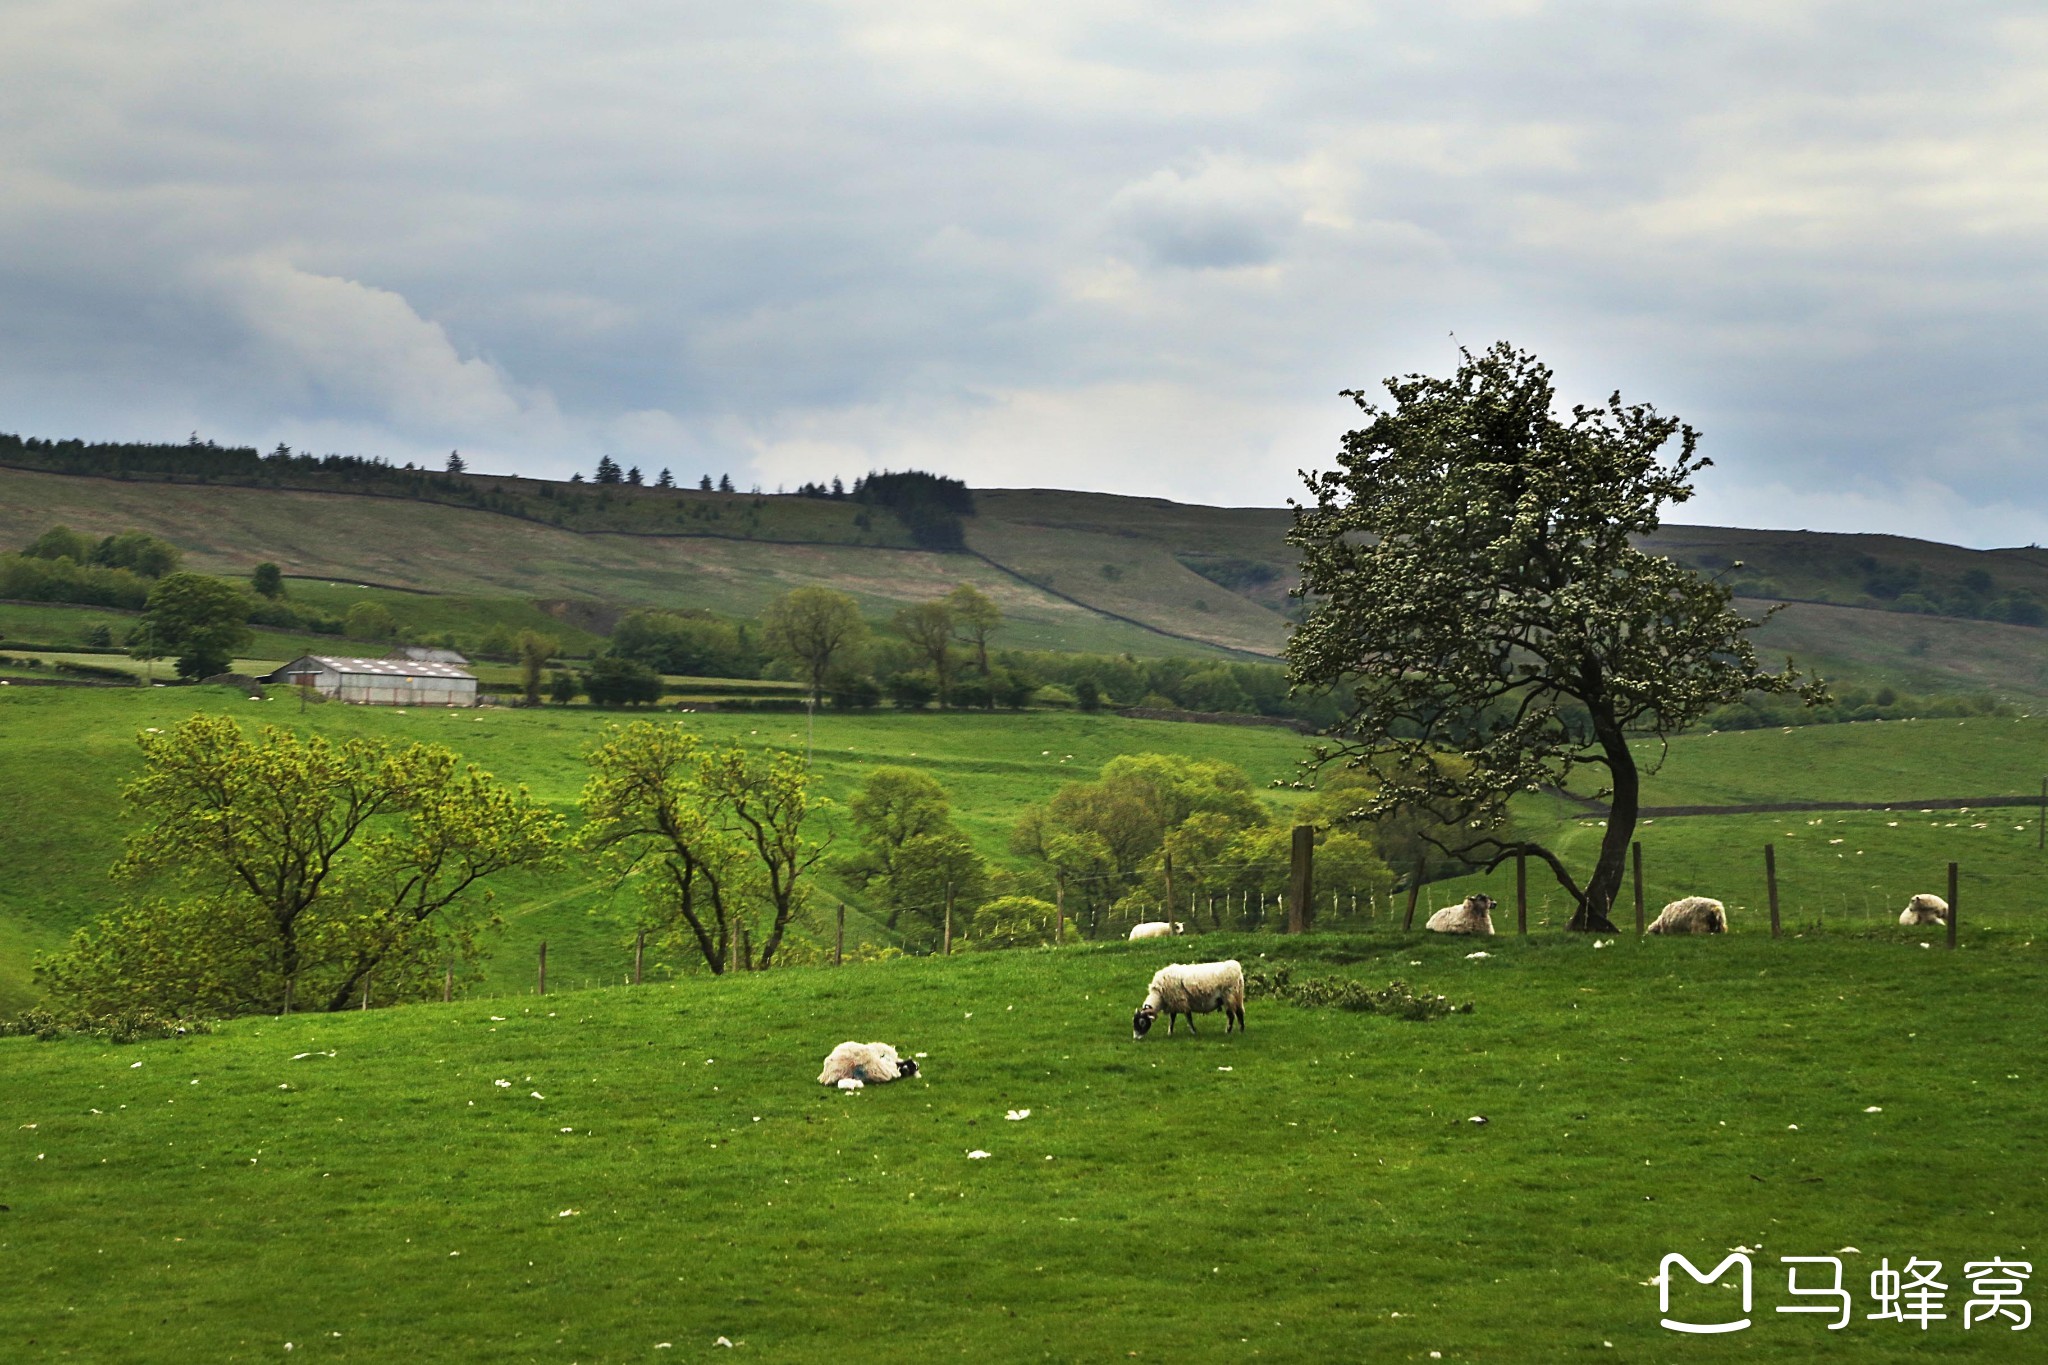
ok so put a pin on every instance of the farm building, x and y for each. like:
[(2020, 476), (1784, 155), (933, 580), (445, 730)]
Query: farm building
[(429, 654), (380, 682)]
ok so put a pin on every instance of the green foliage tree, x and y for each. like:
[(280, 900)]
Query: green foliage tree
[(613, 681), (928, 628), (813, 628), (139, 552), (1088, 694), (370, 621), (275, 867), (61, 542), (712, 837), (200, 620), (1475, 592), (976, 618), (563, 687), (692, 644), (267, 580), (535, 650), (907, 847)]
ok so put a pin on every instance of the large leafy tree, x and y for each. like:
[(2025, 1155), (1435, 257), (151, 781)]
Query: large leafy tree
[(976, 618), (712, 836), (1477, 597), (928, 627), (273, 868), (200, 620), (813, 628), (908, 850)]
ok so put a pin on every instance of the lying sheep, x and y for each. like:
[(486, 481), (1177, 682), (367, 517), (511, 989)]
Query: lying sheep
[(865, 1062), (1925, 909), (1693, 915), (1192, 989), (1158, 928), (1474, 916)]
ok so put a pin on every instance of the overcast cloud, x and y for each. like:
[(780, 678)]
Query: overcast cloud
[(1123, 246)]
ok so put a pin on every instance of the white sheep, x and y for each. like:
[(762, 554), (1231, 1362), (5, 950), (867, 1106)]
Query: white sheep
[(1158, 928), (865, 1062), (1192, 989), (1473, 916), (1693, 915), (1925, 909)]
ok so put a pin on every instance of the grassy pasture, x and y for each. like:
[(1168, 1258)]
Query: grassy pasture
[(661, 1166)]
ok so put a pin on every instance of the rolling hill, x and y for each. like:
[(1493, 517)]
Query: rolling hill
[(1072, 571)]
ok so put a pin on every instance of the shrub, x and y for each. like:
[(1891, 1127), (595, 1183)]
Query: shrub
[(613, 681), (854, 692), (911, 691), (121, 1026), (1397, 998)]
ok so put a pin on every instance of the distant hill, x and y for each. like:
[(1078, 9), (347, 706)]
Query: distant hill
[(1073, 571)]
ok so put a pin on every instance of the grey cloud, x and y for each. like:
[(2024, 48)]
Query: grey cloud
[(1149, 240)]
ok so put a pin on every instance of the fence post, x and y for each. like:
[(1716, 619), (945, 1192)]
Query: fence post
[(288, 995), (947, 947), (1522, 893), (1636, 853), (1771, 883), (1414, 891), (1952, 905), (543, 968), (639, 953), (366, 990), (1301, 882), (1059, 911), (1166, 866), (448, 986), (839, 944)]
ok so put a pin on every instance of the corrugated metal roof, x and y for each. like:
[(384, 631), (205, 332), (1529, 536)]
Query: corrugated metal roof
[(388, 668), (428, 654)]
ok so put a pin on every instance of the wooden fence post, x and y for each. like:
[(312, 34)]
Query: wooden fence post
[(287, 995), (639, 953), (1952, 911), (366, 990), (1771, 883), (1166, 867), (1636, 852), (1301, 880), (839, 944), (448, 986), (947, 947), (1414, 891), (1522, 893), (1059, 911), (543, 967)]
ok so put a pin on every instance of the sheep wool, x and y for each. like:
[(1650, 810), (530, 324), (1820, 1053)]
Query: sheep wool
[(1473, 916), (1925, 909), (869, 1063), (1192, 989), (1158, 928), (1693, 915)]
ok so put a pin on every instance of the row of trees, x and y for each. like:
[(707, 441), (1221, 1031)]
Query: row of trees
[(270, 871)]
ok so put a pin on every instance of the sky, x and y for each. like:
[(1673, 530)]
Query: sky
[(1132, 247)]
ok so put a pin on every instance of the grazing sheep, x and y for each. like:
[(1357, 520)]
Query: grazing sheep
[(870, 1063), (1158, 928), (1192, 989), (1925, 909), (1693, 915), (1475, 916)]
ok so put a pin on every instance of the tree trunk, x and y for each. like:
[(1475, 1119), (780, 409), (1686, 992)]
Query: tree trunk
[(1604, 886)]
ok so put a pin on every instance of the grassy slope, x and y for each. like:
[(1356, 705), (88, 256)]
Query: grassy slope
[(1322, 1198), (479, 554), (65, 754)]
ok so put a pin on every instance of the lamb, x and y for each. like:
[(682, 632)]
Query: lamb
[(1925, 909), (864, 1062), (1158, 928), (1192, 989), (1693, 915), (1473, 917)]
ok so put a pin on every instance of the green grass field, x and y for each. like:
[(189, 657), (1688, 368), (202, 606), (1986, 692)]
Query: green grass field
[(587, 1176)]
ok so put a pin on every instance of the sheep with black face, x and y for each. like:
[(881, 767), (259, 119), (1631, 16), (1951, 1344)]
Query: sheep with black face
[(1192, 989)]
